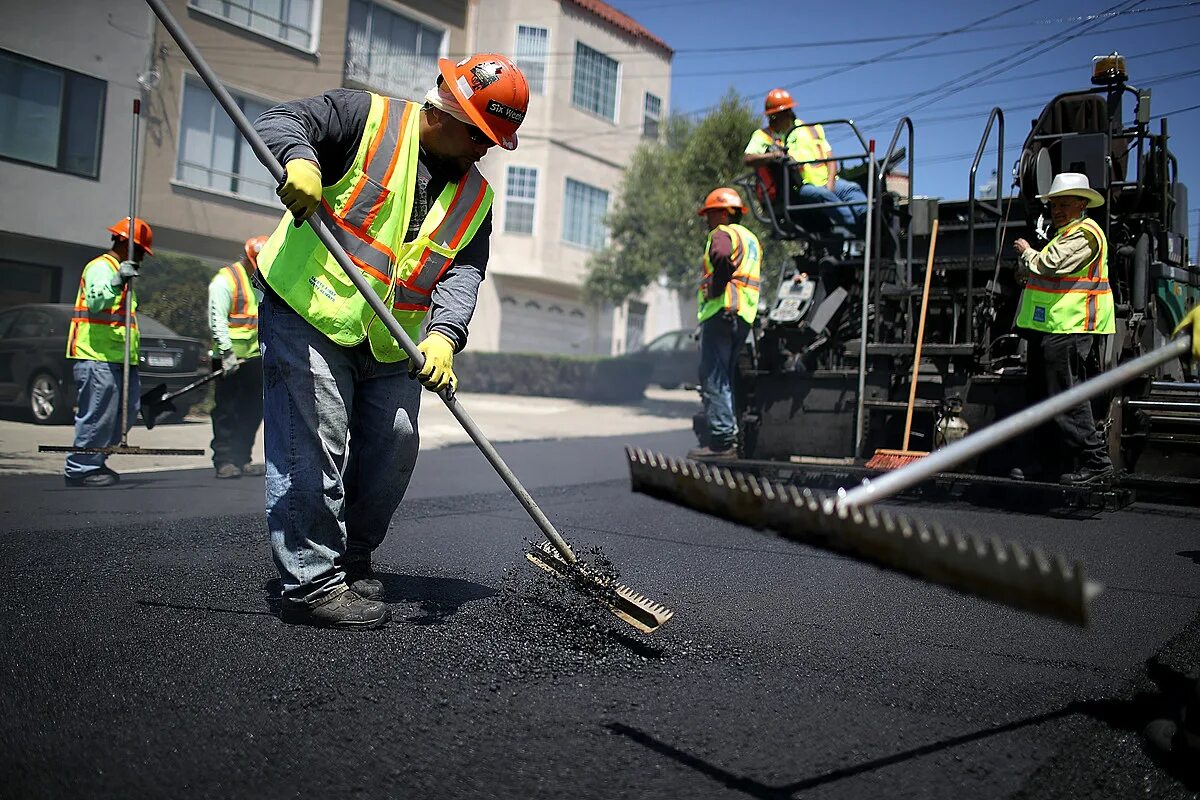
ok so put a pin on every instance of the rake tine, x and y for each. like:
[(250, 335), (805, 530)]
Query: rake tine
[(630, 606)]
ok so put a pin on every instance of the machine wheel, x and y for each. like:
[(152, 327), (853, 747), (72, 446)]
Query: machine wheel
[(48, 404)]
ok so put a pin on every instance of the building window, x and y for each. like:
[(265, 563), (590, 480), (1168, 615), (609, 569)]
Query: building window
[(390, 52), (594, 88), (533, 46), (50, 117), (212, 155), (583, 215), (290, 21), (651, 116), (520, 191)]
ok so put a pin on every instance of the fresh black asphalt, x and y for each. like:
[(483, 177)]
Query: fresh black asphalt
[(140, 657)]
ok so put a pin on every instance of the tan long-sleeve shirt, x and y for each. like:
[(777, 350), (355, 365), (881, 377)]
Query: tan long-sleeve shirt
[(1064, 255)]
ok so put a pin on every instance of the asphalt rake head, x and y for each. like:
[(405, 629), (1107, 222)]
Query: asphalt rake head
[(987, 567), (632, 607)]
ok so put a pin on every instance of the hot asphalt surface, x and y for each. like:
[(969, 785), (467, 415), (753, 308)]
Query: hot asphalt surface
[(140, 657)]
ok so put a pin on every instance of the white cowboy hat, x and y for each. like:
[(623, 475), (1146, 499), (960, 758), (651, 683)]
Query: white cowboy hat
[(1073, 184)]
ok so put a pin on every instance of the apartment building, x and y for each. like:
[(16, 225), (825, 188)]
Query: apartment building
[(600, 86), (68, 78)]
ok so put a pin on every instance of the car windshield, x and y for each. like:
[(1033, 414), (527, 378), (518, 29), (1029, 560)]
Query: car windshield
[(149, 326)]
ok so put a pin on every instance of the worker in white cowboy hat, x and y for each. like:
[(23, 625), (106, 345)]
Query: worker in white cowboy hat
[(1066, 306)]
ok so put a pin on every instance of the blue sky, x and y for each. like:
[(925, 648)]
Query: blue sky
[(944, 63)]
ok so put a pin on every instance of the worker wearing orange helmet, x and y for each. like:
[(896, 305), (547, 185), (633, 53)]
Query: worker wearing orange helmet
[(397, 183), (233, 320), (96, 344), (726, 307), (815, 179)]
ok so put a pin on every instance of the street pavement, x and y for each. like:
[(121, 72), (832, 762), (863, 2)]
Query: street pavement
[(141, 657)]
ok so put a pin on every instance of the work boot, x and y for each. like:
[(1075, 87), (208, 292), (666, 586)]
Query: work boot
[(254, 469), (94, 479), (225, 471), (341, 608), (361, 578), (708, 454), (1087, 475), (1179, 738)]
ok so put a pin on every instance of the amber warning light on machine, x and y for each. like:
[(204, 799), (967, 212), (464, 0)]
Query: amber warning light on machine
[(1109, 69)]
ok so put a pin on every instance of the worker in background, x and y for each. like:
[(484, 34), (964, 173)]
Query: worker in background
[(727, 303), (397, 183), (786, 137), (96, 343), (1066, 306), (233, 320)]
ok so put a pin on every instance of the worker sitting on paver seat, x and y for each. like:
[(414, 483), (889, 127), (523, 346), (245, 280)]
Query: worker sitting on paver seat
[(1066, 306), (396, 183), (96, 342), (237, 409), (727, 305), (814, 181)]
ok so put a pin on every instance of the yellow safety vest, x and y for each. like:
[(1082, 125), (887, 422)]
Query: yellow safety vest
[(243, 311), (1080, 302), (810, 145), (100, 335), (368, 212), (742, 291)]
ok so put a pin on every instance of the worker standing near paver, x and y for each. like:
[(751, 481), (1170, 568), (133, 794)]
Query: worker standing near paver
[(397, 184), (1066, 306), (237, 408), (817, 182), (727, 305), (96, 343)]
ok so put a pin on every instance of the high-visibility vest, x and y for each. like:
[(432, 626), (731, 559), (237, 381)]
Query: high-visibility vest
[(368, 212), (811, 144), (742, 291), (100, 335), (1081, 302), (243, 311)]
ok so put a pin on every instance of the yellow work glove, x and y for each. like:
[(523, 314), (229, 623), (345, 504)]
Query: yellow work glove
[(1192, 319), (301, 189), (438, 372)]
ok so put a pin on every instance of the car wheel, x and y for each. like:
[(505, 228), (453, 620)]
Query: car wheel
[(47, 403)]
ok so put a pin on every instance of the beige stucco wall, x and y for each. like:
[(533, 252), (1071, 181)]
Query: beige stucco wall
[(561, 141)]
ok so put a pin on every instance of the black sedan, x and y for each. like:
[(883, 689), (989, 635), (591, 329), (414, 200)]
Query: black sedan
[(35, 374)]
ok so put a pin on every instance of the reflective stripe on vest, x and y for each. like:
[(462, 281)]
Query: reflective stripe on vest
[(368, 212), (815, 174), (1080, 302), (741, 294), (243, 312), (100, 335)]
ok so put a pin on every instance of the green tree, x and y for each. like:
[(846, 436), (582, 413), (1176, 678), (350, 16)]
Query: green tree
[(174, 290), (653, 225)]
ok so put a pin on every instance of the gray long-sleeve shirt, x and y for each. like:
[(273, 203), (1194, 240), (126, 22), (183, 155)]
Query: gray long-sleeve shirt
[(327, 129)]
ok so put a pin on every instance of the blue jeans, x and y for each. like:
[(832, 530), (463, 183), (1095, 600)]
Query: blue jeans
[(843, 191), (340, 433), (721, 341), (98, 414)]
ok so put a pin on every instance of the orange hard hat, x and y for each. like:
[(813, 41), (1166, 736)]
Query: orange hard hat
[(778, 100), (142, 235), (254, 246), (492, 91), (722, 198)]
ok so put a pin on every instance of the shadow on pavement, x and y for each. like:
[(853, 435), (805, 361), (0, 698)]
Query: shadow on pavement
[(1126, 715)]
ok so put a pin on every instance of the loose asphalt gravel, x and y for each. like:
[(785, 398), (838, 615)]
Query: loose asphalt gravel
[(141, 658)]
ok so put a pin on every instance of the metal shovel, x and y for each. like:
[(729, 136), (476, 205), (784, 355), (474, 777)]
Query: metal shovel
[(560, 560), (156, 403)]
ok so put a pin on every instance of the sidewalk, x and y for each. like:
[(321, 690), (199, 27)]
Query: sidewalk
[(503, 418)]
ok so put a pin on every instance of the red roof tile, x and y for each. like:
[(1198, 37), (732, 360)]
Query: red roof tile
[(623, 22)]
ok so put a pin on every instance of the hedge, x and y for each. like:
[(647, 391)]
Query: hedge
[(597, 379)]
